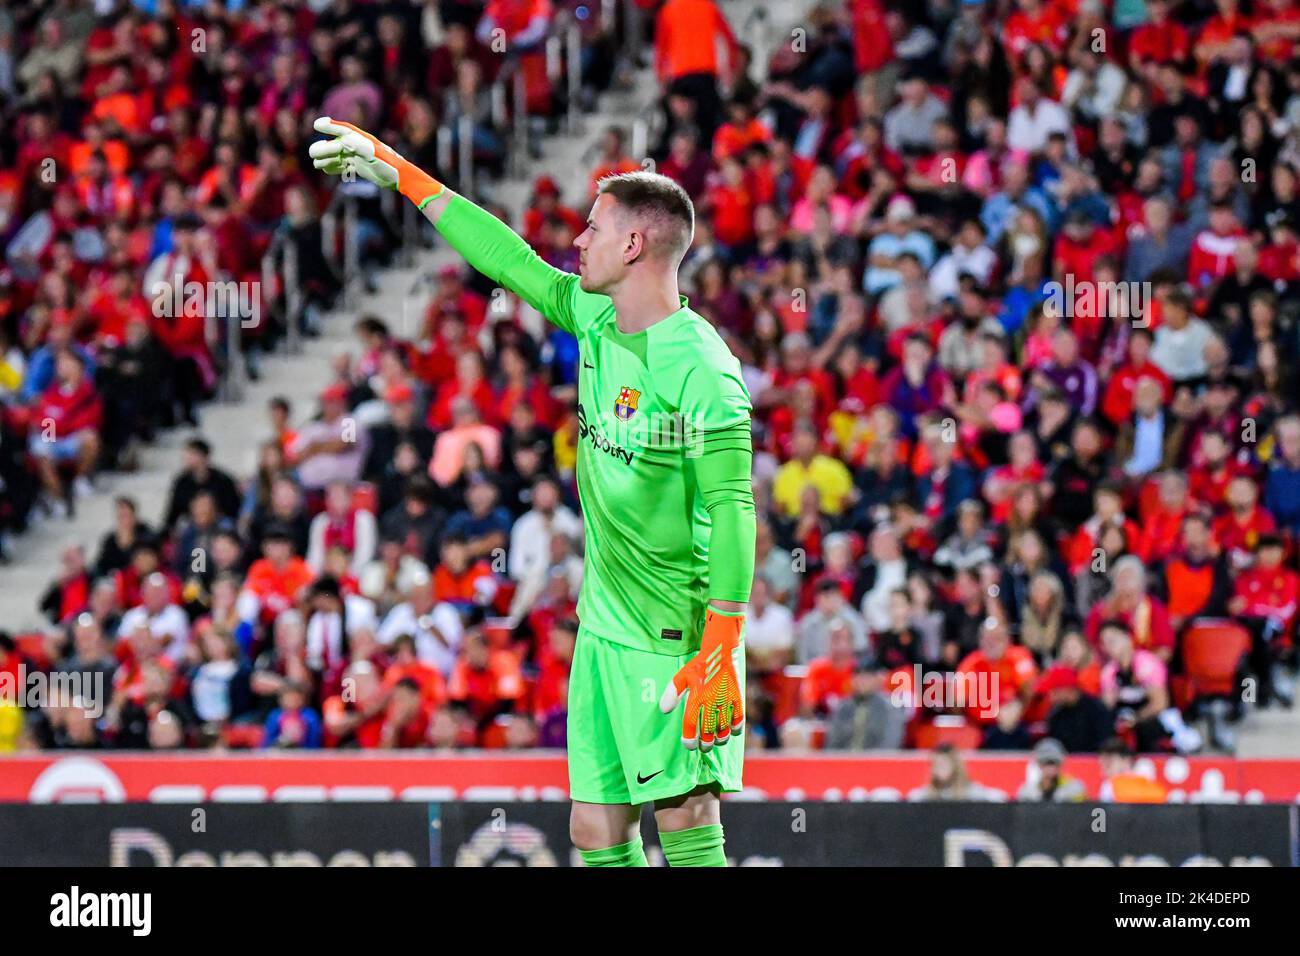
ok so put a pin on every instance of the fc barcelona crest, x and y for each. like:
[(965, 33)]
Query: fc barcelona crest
[(625, 404)]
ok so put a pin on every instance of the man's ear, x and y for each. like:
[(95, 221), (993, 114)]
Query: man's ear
[(634, 247)]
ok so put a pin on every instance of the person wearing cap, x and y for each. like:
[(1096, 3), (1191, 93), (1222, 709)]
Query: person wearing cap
[(1079, 720), (1265, 600), (332, 448), (545, 207), (900, 234), (402, 427), (1045, 781)]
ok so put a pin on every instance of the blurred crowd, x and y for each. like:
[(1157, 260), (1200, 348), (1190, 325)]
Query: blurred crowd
[(1011, 286)]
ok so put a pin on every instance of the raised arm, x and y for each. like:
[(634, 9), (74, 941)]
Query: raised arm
[(487, 243)]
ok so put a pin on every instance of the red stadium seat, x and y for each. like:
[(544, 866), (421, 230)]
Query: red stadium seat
[(1212, 652), (494, 735), (33, 647), (948, 730), (242, 736), (365, 497), (783, 686)]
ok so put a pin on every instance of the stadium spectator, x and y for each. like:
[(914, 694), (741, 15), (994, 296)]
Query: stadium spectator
[(932, 413), (1046, 782), (869, 719), (949, 780)]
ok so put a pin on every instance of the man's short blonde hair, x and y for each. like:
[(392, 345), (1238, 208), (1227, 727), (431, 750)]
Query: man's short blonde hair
[(660, 206)]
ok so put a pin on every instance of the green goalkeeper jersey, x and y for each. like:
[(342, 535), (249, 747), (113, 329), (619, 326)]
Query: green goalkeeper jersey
[(663, 450)]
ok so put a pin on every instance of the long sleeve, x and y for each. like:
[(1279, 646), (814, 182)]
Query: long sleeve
[(494, 249), (722, 474)]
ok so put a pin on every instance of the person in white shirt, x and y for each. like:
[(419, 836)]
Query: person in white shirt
[(341, 524), (769, 630), (1094, 87), (334, 617), (1179, 343), (166, 621), (968, 256), (436, 627), (530, 538), (1036, 119), (891, 574)]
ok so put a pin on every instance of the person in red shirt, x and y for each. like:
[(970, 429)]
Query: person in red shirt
[(995, 673), (1195, 581), (1159, 40), (1265, 600), (829, 679), (406, 717), (65, 422), (1208, 481), (1239, 529), (469, 382), (1214, 249), (407, 666), (740, 131), (1219, 32), (1128, 602), (730, 205), (1162, 518), (545, 205), (554, 661), (484, 681), (1023, 468), (275, 580), (1117, 400), (1276, 29), (451, 296), (457, 578), (1034, 22), (359, 719)]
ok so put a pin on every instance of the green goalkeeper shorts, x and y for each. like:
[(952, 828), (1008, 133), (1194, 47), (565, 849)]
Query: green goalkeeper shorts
[(622, 748)]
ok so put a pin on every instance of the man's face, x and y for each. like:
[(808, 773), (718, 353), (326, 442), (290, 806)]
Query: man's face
[(993, 642), (1289, 437), (1194, 537), (602, 247), (545, 497)]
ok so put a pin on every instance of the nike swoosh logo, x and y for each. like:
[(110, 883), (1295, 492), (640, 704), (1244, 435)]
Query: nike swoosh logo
[(586, 365), (644, 780)]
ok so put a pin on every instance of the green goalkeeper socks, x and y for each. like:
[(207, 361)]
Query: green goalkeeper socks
[(699, 846), (625, 854)]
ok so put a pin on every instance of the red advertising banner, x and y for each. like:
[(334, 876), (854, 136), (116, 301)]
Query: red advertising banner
[(535, 775)]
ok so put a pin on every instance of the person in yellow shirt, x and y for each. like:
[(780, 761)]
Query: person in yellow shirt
[(828, 475), (11, 725)]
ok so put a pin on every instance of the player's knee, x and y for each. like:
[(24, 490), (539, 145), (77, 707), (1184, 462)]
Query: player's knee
[(590, 831)]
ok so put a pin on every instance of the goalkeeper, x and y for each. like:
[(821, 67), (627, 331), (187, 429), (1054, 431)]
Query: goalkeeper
[(664, 479)]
